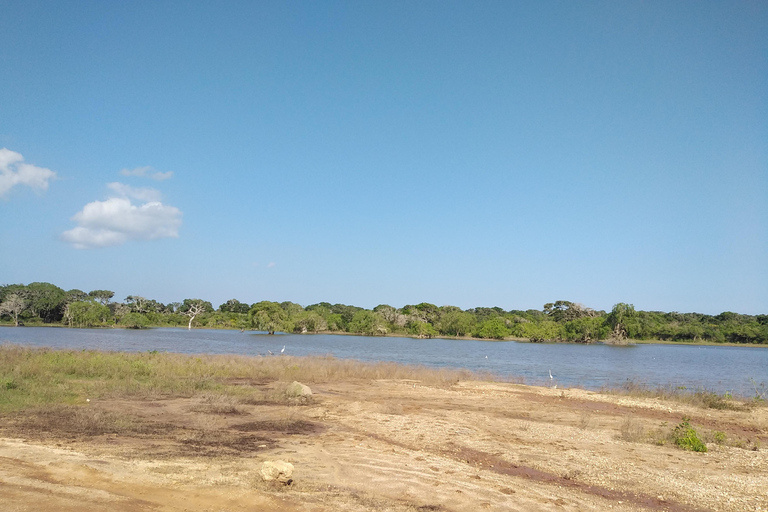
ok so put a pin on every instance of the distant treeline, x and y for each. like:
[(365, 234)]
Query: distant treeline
[(45, 303)]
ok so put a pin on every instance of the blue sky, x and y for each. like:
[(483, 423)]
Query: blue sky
[(465, 153)]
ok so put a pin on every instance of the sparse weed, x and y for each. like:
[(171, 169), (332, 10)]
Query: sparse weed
[(761, 390), (632, 430), (392, 408), (217, 403), (585, 420), (72, 421)]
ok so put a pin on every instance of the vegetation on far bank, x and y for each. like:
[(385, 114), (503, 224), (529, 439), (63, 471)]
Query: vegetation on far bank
[(45, 303)]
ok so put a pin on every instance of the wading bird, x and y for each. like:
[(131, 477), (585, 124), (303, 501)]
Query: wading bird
[(283, 349)]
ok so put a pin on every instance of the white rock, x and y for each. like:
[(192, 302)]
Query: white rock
[(298, 390), (277, 470)]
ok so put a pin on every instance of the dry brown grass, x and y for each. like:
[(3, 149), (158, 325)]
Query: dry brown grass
[(632, 430), (586, 420), (71, 422), (703, 398), (38, 377)]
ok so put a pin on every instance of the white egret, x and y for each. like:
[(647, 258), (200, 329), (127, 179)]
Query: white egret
[(283, 349), (550, 375)]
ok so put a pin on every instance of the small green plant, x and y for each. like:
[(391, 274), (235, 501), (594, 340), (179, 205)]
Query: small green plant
[(686, 437), (719, 437), (8, 384)]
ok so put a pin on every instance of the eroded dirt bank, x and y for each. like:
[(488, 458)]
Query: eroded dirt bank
[(386, 445)]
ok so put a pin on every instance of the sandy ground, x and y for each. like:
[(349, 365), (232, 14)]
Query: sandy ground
[(392, 445)]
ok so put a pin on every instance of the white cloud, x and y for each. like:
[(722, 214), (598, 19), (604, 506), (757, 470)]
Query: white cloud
[(117, 220), (271, 264), (13, 171), (140, 194), (148, 172), (160, 176)]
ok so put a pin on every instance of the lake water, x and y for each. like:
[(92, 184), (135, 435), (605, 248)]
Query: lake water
[(720, 369)]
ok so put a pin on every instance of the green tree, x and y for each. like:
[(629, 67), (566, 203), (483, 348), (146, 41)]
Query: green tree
[(425, 312), (421, 329), (493, 328), (367, 322), (75, 295), (456, 323), (87, 313), (623, 321), (103, 296), (546, 330), (483, 314), (565, 311), (291, 308), (46, 301), (309, 321), (586, 329), (267, 316), (234, 306), (134, 321), (335, 322), (392, 316), (346, 312)]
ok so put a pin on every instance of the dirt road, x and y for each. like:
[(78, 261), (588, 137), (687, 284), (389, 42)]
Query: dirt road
[(388, 445)]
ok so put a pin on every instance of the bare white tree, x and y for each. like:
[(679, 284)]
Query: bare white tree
[(195, 308), (137, 303), (68, 314), (119, 310), (13, 305)]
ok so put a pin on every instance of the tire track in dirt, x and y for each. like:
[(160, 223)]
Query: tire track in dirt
[(493, 463)]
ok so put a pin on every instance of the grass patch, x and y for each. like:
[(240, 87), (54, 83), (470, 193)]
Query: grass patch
[(289, 425), (702, 398), (719, 437), (71, 422), (32, 377)]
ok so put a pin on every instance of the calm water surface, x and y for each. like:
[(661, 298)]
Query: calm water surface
[(715, 368)]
